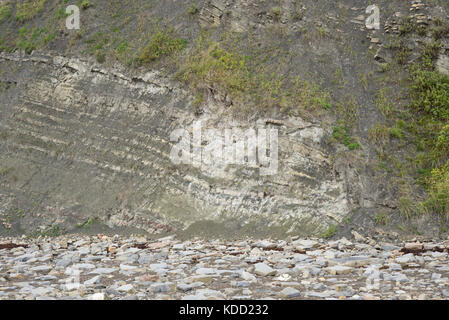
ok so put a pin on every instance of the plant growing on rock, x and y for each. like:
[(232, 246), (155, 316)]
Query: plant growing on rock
[(162, 44), (5, 11), (28, 9)]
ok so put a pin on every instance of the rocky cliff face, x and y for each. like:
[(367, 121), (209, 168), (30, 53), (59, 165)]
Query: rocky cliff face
[(87, 116), (81, 141)]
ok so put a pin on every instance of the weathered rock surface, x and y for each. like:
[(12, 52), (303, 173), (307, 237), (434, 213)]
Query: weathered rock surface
[(84, 140), (218, 269)]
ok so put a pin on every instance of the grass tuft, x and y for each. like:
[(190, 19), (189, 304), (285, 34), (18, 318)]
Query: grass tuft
[(5, 11), (340, 133), (162, 44), (29, 9)]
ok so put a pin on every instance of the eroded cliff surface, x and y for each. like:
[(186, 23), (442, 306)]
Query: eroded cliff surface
[(82, 141), (86, 115)]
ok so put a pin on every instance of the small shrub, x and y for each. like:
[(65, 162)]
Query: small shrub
[(340, 133), (277, 13), (430, 93), (89, 223), (407, 206), (397, 133), (329, 232), (199, 98), (382, 218), (440, 30), (122, 47), (84, 4), (442, 143), (403, 55), (406, 25), (161, 44), (422, 30), (313, 96), (218, 67), (431, 50), (438, 191), (53, 232), (380, 134), (383, 102), (401, 124), (192, 9)]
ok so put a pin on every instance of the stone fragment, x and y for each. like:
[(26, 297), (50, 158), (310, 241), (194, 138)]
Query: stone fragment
[(414, 246), (184, 287), (264, 270), (126, 288), (204, 271), (248, 276), (336, 270), (41, 269), (163, 287), (92, 281), (290, 292), (305, 244)]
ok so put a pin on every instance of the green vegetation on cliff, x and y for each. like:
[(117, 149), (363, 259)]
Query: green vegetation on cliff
[(162, 44), (29, 9), (5, 11)]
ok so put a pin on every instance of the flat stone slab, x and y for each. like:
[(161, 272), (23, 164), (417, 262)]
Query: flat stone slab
[(264, 270), (336, 270), (290, 292)]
